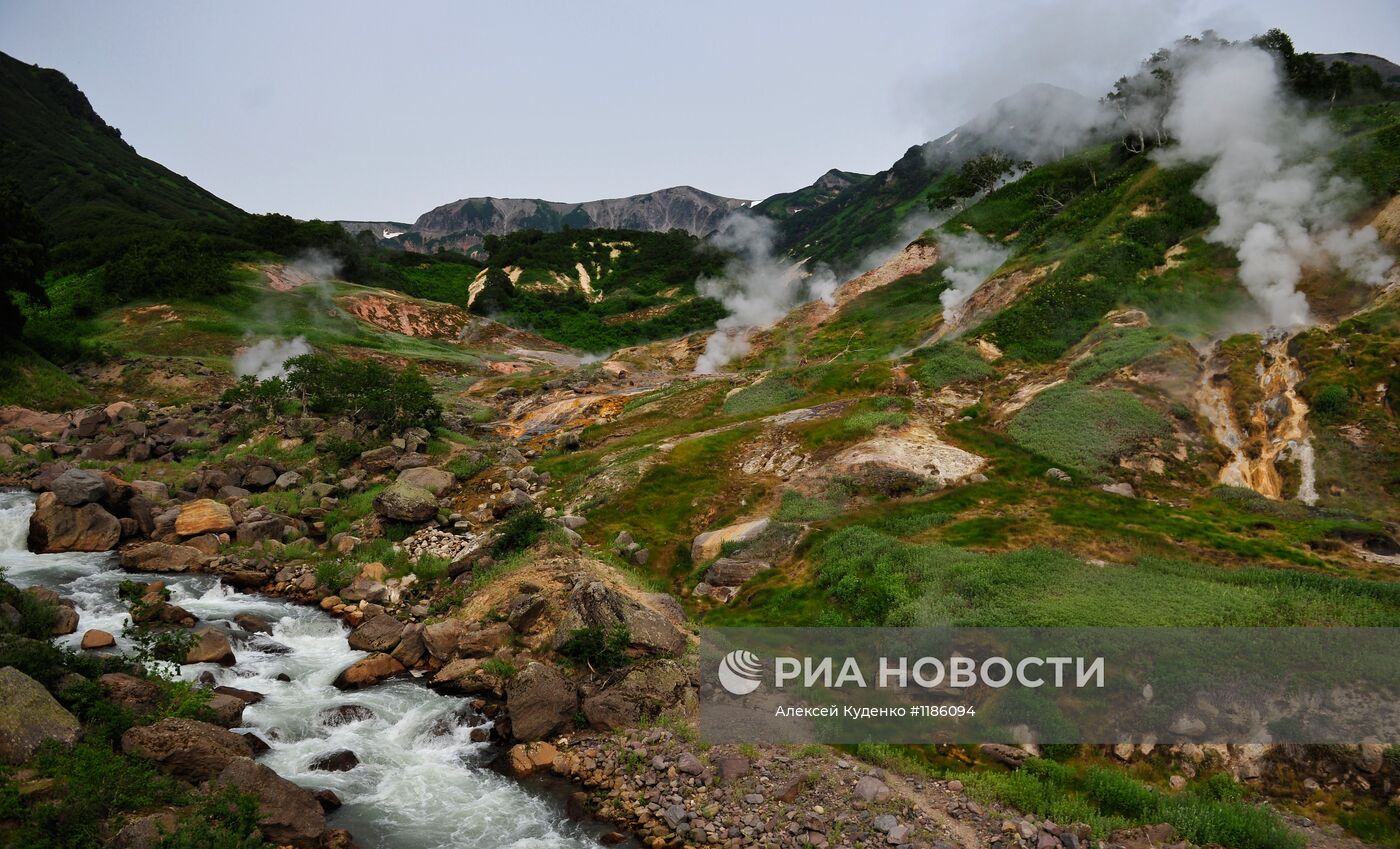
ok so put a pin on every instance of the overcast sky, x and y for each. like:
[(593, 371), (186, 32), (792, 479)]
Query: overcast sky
[(383, 110)]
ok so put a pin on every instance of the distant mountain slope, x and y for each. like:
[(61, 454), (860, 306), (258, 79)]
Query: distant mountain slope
[(826, 188), (1389, 71), (462, 224), (1038, 122), (93, 190)]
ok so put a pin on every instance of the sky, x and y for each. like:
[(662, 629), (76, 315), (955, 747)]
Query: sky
[(381, 111)]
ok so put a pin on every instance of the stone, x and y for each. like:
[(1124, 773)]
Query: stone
[(248, 697), (259, 477), (1124, 489), (368, 671), (1058, 475), (410, 649), (186, 748), (363, 589), (146, 832), (341, 760), (65, 620), (883, 823), (227, 709), (689, 764), (731, 571), (286, 481), (707, 546), (29, 717), (1004, 754), (595, 605), (252, 623), (288, 814), (95, 638), (525, 612), (329, 801), (154, 490), (77, 487), (162, 557), (512, 499), (404, 502), (56, 527), (344, 715), (440, 638), (871, 789), (377, 633), (203, 516), (210, 646), (432, 479), (541, 701), (731, 767), (1177, 782), (526, 759), (645, 690), (257, 530), (484, 641), (573, 523), (137, 695)]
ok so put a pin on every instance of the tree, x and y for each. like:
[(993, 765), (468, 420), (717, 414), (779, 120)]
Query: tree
[(24, 256), (497, 294), (171, 265)]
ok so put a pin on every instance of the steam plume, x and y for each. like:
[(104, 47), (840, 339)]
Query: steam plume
[(970, 260), (1280, 206), (758, 288), (268, 358)]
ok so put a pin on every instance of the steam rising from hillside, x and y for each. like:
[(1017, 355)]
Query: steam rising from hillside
[(268, 358), (1280, 206), (758, 287), (970, 260)]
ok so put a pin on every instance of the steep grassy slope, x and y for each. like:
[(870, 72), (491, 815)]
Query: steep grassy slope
[(92, 189)]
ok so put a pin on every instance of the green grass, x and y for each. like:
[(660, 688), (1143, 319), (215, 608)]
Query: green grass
[(877, 579), (1085, 429), (32, 381), (1209, 811), (950, 361), (1118, 347), (767, 394)]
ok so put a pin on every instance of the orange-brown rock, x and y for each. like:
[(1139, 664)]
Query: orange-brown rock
[(204, 516)]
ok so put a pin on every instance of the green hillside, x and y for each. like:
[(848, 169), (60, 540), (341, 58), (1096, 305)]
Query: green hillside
[(93, 190)]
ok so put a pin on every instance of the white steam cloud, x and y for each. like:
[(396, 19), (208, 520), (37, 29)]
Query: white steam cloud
[(268, 358), (315, 265), (758, 288), (970, 260), (1280, 206)]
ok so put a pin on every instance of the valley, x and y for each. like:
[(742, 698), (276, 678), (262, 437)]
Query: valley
[(335, 534)]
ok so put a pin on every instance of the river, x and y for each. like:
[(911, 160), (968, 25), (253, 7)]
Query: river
[(420, 784)]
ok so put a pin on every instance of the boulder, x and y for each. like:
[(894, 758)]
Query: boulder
[(708, 545), (138, 695), (433, 480), (227, 709), (643, 692), (526, 759), (596, 605), (252, 623), (541, 701), (440, 638), (95, 638), (484, 641), (368, 671), (56, 527), (733, 571), (65, 620), (154, 490), (871, 789), (186, 748), (286, 481), (77, 487), (210, 646), (341, 760), (288, 815), (377, 633), (259, 477), (404, 502), (30, 716), (512, 499), (255, 530), (344, 715), (203, 516), (464, 675), (411, 648), (162, 557)]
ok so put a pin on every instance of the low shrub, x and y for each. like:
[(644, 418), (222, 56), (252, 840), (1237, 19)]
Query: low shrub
[(518, 532), (1085, 429), (599, 649), (950, 361), (767, 394)]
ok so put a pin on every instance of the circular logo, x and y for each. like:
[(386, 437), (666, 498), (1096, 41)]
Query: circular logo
[(740, 672)]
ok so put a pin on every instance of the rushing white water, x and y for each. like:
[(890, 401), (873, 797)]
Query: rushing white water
[(420, 784)]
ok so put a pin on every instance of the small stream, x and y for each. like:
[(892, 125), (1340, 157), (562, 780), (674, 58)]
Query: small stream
[(420, 784)]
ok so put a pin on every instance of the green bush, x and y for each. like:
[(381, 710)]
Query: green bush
[(175, 264), (948, 362), (1332, 402), (518, 532), (1085, 429), (1120, 347), (364, 390), (467, 466), (599, 649), (767, 394)]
